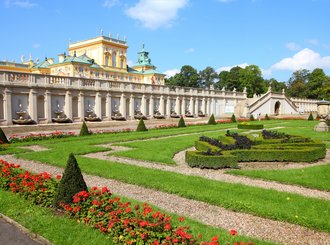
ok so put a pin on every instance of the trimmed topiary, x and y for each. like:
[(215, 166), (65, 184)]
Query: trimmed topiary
[(141, 126), (267, 117), (71, 183), (233, 118), (3, 137), (212, 120), (84, 130), (310, 118), (251, 117), (181, 122)]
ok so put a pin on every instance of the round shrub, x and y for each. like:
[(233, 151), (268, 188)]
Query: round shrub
[(212, 120), (181, 122), (3, 137), (141, 126), (251, 117), (267, 117), (71, 183), (233, 118), (84, 130)]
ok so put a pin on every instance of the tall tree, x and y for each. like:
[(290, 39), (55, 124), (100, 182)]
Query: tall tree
[(188, 77), (297, 83), (318, 85), (276, 85), (207, 77), (251, 78), (230, 80)]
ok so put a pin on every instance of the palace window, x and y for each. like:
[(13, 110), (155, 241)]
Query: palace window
[(114, 59), (97, 74), (106, 75), (81, 69), (106, 60), (121, 63)]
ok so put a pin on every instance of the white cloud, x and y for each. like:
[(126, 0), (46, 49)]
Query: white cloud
[(292, 46), (154, 14), (171, 73), (304, 59), (313, 41), (227, 68), (110, 3), (36, 45), (20, 3), (129, 62), (189, 50)]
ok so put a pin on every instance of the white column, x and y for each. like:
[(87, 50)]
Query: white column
[(81, 105), (212, 106), (191, 105), (143, 105), (183, 106), (33, 105), (131, 107), (151, 106), (208, 107), (108, 106), (98, 105), (123, 105), (203, 106), (161, 105), (48, 106), (168, 106), (7, 107), (177, 105), (196, 107), (68, 104)]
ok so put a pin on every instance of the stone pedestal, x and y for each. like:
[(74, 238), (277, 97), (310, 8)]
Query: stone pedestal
[(322, 126)]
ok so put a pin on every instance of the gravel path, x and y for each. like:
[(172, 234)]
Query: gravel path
[(219, 175), (246, 224)]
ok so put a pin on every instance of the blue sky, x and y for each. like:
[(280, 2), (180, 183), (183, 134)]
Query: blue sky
[(280, 36)]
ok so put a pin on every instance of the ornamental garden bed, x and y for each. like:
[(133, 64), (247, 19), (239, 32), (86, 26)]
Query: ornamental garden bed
[(270, 146)]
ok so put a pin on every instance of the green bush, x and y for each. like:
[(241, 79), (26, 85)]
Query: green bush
[(267, 117), (212, 120), (204, 146), (200, 160), (250, 126), (3, 137), (141, 126), (233, 118), (181, 122), (251, 117), (310, 118), (280, 154), (84, 130), (71, 183), (226, 140)]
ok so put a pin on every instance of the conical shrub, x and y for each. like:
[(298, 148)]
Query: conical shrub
[(181, 122), (212, 120), (233, 118), (141, 126), (71, 183), (251, 117), (310, 118), (84, 129), (3, 137), (267, 117)]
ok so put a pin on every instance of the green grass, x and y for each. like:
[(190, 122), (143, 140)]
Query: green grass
[(308, 212), (56, 229), (317, 177)]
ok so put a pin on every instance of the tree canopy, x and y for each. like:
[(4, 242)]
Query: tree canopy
[(302, 83)]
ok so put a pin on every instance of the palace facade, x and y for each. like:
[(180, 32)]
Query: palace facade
[(93, 82)]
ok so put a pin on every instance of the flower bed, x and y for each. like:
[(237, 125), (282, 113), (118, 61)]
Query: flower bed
[(124, 223), (41, 136)]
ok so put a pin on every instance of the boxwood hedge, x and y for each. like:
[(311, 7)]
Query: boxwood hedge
[(250, 126), (200, 160)]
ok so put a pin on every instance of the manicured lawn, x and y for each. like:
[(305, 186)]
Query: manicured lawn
[(57, 229), (317, 177), (283, 206), (61, 230)]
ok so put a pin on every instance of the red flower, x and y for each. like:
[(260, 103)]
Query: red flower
[(181, 219), (58, 176), (167, 226), (128, 210), (232, 232), (143, 223)]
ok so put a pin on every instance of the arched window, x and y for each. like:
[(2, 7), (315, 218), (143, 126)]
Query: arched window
[(114, 59), (106, 60), (121, 63)]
